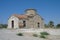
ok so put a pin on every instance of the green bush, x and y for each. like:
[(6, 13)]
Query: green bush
[(44, 33), (20, 34), (42, 36), (35, 35)]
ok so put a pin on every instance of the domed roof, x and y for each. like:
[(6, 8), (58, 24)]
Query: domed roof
[(30, 9)]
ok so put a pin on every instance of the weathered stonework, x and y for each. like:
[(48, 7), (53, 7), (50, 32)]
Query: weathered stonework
[(29, 20)]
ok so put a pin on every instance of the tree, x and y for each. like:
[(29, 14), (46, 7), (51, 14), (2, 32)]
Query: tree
[(3, 25), (58, 26), (46, 26), (51, 24), (0, 26)]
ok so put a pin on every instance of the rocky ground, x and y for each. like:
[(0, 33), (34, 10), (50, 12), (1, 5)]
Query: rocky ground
[(6, 34)]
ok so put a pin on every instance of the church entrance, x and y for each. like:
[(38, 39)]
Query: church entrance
[(12, 24), (38, 24), (24, 23)]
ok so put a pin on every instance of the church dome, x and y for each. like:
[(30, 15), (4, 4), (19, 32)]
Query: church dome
[(30, 11)]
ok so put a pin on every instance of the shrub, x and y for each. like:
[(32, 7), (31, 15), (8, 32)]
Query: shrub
[(44, 33), (58, 26), (20, 34), (35, 35), (42, 36)]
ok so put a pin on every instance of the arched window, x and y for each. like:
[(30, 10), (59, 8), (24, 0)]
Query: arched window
[(12, 24), (24, 22), (38, 24)]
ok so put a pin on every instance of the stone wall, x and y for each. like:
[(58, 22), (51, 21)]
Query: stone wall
[(16, 21)]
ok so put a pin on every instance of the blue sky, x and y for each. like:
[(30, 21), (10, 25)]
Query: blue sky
[(48, 9)]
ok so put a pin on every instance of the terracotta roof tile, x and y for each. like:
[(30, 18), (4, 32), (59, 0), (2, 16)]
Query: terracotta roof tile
[(21, 16)]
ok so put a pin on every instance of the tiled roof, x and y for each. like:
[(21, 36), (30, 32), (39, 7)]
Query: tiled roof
[(21, 16)]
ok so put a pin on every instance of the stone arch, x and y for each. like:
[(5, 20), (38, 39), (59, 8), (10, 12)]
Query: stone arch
[(38, 24), (12, 23)]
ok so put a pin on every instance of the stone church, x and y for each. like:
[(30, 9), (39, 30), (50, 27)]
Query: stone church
[(30, 19)]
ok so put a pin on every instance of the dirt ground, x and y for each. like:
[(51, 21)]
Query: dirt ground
[(6, 34)]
